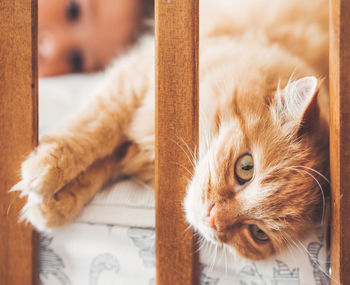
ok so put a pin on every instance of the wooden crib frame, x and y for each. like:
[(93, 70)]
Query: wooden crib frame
[(176, 113)]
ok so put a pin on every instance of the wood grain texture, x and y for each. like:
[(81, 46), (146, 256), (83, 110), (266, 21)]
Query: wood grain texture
[(340, 139), (176, 120), (18, 135)]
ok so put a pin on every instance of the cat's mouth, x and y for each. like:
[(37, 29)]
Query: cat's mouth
[(242, 234), (215, 232), (209, 219), (206, 226), (223, 223)]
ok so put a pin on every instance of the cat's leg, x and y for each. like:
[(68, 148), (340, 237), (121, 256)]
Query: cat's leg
[(72, 151), (62, 155), (65, 205), (94, 133)]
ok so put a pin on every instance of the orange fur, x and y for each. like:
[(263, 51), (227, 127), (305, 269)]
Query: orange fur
[(248, 52)]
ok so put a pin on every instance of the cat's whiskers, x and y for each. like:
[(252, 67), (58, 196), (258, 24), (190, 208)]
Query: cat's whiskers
[(206, 139), (191, 151), (215, 256), (292, 244), (317, 172), (10, 206), (300, 246), (187, 155), (197, 238), (185, 168), (209, 250), (187, 228), (290, 247), (321, 190), (202, 242), (212, 261), (222, 255), (211, 167)]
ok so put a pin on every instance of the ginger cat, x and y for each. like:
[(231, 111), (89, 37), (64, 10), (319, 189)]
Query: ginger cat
[(260, 179)]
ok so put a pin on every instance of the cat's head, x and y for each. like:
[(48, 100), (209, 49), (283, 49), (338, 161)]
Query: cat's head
[(258, 186)]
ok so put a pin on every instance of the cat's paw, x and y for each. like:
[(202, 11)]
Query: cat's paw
[(48, 214), (41, 172), (33, 214)]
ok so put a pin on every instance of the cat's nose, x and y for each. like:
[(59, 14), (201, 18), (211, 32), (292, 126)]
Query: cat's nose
[(211, 217), (222, 217)]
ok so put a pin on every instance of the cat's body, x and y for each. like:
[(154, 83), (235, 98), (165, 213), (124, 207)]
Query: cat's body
[(247, 50)]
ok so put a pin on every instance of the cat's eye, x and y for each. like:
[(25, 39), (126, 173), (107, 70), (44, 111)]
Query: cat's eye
[(258, 234), (73, 11), (244, 168), (76, 60)]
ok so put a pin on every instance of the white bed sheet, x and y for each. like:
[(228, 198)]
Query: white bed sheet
[(100, 254)]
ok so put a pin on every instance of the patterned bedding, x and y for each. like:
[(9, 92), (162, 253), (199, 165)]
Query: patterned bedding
[(93, 252)]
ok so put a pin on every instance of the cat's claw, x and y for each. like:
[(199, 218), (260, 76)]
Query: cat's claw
[(32, 214), (40, 180), (40, 174), (18, 188), (51, 200)]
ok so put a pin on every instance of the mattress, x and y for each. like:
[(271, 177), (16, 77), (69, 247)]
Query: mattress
[(112, 241)]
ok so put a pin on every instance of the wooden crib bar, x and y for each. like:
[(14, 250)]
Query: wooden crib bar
[(176, 126), (340, 139), (18, 135)]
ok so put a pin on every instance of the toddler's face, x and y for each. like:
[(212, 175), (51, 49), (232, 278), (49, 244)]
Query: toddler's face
[(83, 35)]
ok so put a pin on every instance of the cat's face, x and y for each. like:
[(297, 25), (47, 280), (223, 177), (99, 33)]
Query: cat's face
[(256, 189)]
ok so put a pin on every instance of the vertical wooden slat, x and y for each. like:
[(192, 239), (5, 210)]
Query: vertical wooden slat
[(18, 135), (176, 117), (340, 139)]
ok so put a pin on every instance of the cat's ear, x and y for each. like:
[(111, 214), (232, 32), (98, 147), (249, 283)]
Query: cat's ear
[(298, 101)]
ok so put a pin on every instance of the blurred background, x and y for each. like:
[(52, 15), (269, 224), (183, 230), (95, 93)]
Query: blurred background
[(77, 40), (84, 35)]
